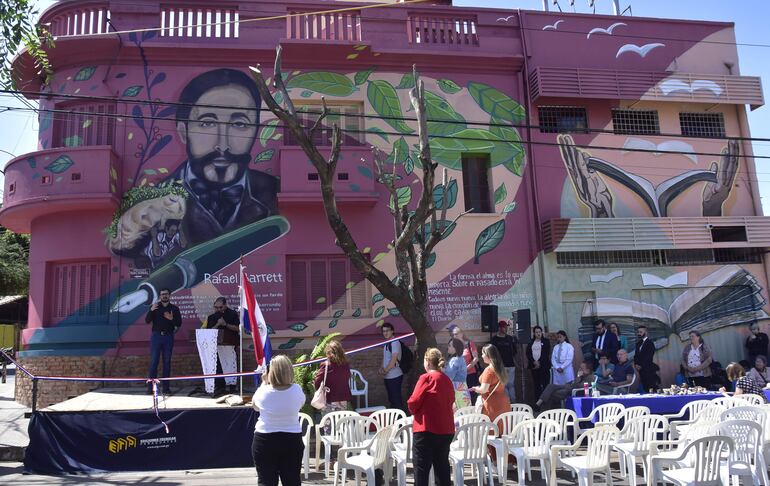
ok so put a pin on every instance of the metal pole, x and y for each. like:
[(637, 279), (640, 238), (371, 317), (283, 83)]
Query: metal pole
[(545, 5), (616, 6), (34, 394), (240, 351)]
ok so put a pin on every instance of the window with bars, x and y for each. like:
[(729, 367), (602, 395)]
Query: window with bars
[(657, 258), (84, 124), (476, 184), (348, 117), (76, 288), (707, 125), (562, 119), (635, 122), (322, 286)]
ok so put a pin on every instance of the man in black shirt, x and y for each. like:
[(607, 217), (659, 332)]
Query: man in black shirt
[(643, 360), (756, 343), (228, 321), (506, 345), (166, 321)]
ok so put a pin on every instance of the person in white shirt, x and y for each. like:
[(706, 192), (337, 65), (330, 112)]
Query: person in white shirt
[(561, 360), (390, 370), (277, 447)]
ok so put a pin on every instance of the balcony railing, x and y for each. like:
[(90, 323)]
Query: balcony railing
[(424, 29), (213, 22), (80, 21), (338, 26)]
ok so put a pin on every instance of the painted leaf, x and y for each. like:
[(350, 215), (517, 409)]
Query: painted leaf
[(87, 123), (317, 333), (264, 156), (298, 327), (378, 257), (320, 300), (166, 112), (62, 163), (32, 163), (489, 238), (409, 166), (366, 250), (138, 117), (289, 345), (158, 146), (150, 171), (380, 310), (354, 187), (58, 179), (404, 195), (120, 75), (324, 82), (400, 152), (45, 120), (407, 82), (338, 314), (509, 207), (350, 285), (278, 97), (159, 78), (350, 57), (451, 195), (393, 312), (385, 102), (444, 225), (448, 86), (333, 324), (442, 118), (73, 141), (496, 103), (85, 73), (306, 94), (267, 132), (515, 163), (162, 170), (377, 298), (357, 312), (132, 91), (500, 194), (362, 76), (430, 260), (389, 177), (379, 132), (447, 151), (365, 171), (270, 329)]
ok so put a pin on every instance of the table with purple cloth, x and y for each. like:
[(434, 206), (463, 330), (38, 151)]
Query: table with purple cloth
[(658, 404), (767, 394)]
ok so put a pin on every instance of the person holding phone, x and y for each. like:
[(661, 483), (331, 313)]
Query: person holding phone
[(166, 321)]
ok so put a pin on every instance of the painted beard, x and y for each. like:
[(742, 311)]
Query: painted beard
[(219, 168)]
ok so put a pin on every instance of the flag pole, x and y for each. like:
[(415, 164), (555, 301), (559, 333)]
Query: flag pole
[(240, 326)]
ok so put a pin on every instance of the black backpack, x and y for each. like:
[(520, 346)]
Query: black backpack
[(406, 361)]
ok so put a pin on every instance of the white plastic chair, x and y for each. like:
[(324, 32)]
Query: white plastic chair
[(354, 437), (670, 450), (750, 398), (366, 457), (708, 415), (505, 423), (634, 441), (566, 419), (465, 411), (726, 402), (363, 391), (330, 420), (471, 418), (598, 444), (471, 448), (531, 440), (606, 414), (306, 423), (522, 407), (629, 414), (689, 410), (705, 456), (387, 417), (746, 458), (401, 450)]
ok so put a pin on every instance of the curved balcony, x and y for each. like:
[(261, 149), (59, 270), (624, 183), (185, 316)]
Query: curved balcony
[(58, 180)]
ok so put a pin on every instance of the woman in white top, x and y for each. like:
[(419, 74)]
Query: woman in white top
[(561, 360), (277, 447)]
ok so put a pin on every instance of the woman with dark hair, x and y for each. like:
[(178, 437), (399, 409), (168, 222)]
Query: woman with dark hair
[(456, 371), (696, 359), (615, 329), (561, 360), (760, 374), (471, 356), (743, 384), (539, 359), (492, 384)]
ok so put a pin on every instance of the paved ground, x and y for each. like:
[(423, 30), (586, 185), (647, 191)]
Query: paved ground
[(13, 425)]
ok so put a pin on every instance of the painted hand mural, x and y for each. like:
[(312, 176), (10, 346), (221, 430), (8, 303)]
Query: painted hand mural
[(715, 193), (590, 188)]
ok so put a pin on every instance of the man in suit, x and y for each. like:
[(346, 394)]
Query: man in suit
[(643, 359), (604, 342)]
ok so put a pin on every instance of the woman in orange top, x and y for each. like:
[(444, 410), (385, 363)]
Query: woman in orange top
[(492, 388)]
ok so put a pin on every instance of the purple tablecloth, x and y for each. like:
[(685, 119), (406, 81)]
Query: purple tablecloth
[(767, 395), (658, 404)]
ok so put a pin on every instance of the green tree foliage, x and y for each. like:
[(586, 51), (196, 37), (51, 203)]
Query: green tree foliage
[(19, 31), (14, 269), (303, 375)]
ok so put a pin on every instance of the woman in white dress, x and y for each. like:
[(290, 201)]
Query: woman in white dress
[(561, 360)]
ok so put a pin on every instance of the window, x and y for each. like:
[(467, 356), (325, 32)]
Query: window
[(561, 119), (46, 180), (76, 288), (635, 122), (84, 124), (322, 286), (11, 188), (476, 184), (726, 234), (657, 258), (708, 125), (76, 177), (348, 117)]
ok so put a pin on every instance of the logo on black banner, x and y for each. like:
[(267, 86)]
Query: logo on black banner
[(121, 444)]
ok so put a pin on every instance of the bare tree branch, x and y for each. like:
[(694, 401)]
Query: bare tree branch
[(278, 81), (324, 114)]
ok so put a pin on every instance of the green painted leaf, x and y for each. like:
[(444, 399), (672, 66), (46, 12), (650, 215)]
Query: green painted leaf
[(389, 177), (451, 195), (489, 238), (306, 94), (278, 97), (270, 329), (365, 171), (162, 170), (338, 314), (268, 130), (379, 132), (298, 327), (377, 298), (324, 82), (430, 260), (350, 285), (404, 195), (73, 141), (444, 225), (264, 156), (32, 163), (407, 81), (317, 333), (62, 163), (357, 312), (447, 151), (85, 73), (378, 313), (442, 118), (509, 207), (515, 163), (393, 312), (448, 86), (271, 260), (496, 103), (378, 257), (132, 91), (289, 345), (320, 300), (500, 194), (400, 153), (385, 102), (150, 171), (409, 166), (333, 324), (361, 76)]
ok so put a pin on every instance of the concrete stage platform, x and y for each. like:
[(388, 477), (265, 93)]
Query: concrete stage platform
[(124, 399)]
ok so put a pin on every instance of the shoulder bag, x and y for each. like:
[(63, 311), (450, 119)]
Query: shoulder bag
[(319, 397)]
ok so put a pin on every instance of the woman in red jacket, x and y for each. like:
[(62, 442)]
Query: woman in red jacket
[(434, 427)]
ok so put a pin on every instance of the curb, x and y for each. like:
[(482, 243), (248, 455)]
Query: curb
[(12, 453)]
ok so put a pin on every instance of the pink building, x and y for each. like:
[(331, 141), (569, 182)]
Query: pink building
[(592, 150)]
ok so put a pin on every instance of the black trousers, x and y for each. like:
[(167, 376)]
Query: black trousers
[(278, 455), (540, 378), (649, 379), (393, 387), (472, 380), (431, 451)]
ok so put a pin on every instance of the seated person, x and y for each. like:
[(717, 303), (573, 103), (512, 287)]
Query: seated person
[(680, 379), (604, 370), (623, 374), (743, 384), (554, 394), (760, 373)]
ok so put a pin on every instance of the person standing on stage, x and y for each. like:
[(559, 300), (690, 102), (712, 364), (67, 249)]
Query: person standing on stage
[(506, 346), (390, 370), (696, 359), (604, 342), (643, 359), (539, 358), (561, 360), (756, 343), (166, 321), (228, 322)]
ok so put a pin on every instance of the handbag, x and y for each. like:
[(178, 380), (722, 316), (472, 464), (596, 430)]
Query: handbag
[(480, 402), (319, 397)]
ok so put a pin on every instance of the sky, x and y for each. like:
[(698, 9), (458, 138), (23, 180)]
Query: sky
[(18, 130)]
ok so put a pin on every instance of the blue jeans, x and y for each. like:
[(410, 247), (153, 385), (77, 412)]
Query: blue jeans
[(161, 344), (393, 387)]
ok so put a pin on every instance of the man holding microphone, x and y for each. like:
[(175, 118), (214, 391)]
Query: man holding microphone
[(166, 321)]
